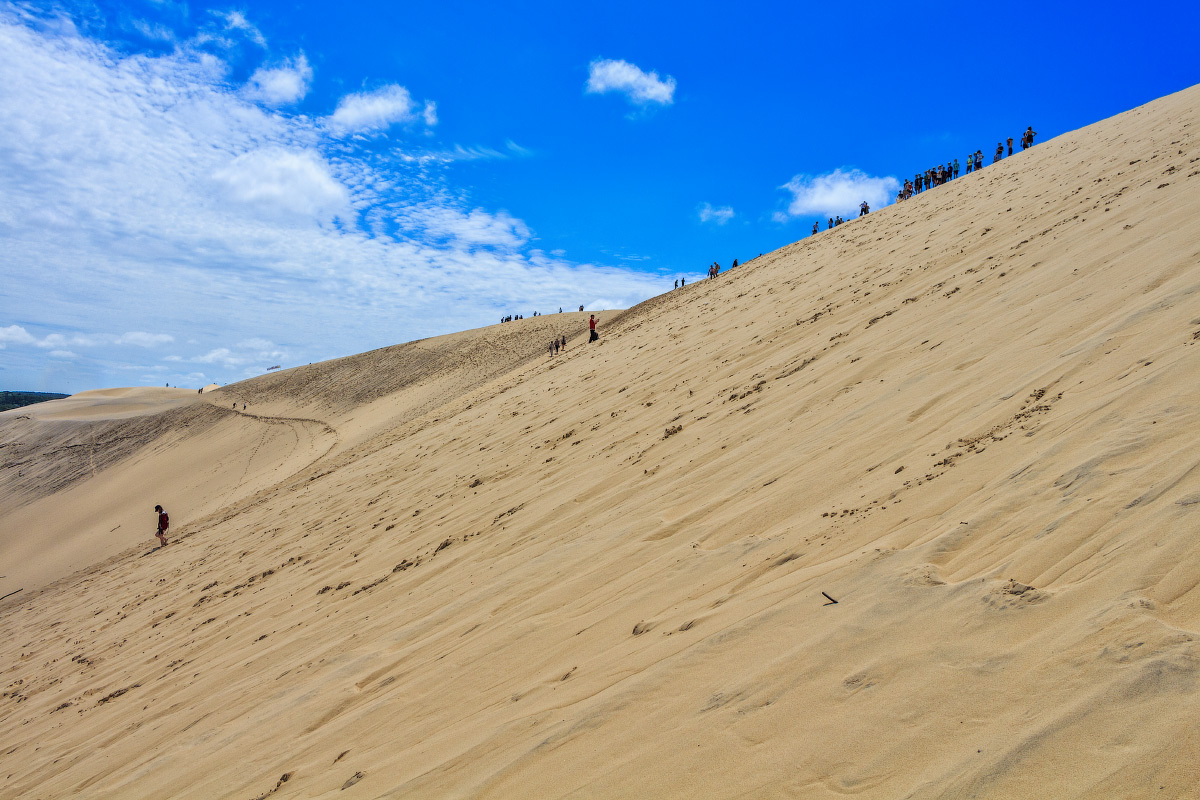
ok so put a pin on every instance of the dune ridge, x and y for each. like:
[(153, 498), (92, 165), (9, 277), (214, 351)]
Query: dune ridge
[(969, 418)]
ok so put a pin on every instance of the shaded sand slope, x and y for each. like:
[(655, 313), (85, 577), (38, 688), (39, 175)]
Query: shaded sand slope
[(81, 474), (80, 481), (969, 418)]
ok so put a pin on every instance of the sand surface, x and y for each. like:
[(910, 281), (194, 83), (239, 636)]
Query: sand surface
[(969, 418)]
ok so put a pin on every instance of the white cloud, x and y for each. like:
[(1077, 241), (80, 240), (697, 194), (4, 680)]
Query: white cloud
[(278, 86), (279, 183), (838, 192), (642, 88), (377, 110), (15, 334), (719, 215), (62, 354)]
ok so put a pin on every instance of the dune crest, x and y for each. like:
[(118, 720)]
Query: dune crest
[(968, 418)]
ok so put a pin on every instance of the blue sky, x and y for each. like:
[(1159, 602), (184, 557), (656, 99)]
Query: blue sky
[(191, 192)]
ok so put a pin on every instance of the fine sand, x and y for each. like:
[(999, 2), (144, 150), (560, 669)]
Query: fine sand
[(460, 568)]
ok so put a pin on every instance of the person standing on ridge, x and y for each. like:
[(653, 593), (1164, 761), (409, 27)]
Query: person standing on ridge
[(956, 167), (734, 264), (164, 522), (1010, 145), (1027, 138), (864, 209), (592, 327), (999, 152)]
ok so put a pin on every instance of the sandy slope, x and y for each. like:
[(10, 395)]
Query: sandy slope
[(969, 418), (81, 475)]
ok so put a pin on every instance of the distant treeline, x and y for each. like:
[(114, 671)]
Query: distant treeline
[(11, 400)]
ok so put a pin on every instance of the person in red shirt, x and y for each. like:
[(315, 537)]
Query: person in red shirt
[(592, 326), (164, 522)]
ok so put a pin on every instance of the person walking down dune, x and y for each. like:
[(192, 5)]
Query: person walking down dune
[(816, 227), (164, 522), (592, 327)]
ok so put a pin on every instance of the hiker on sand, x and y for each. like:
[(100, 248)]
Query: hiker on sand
[(999, 152), (592, 326), (164, 522), (956, 167), (1027, 138), (816, 225), (863, 209), (1010, 145), (734, 264)]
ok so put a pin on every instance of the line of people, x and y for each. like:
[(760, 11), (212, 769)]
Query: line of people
[(943, 173), (511, 317)]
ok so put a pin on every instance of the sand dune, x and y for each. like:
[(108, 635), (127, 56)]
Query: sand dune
[(969, 418)]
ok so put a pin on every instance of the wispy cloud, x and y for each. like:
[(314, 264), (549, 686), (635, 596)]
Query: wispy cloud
[(719, 216), (236, 21), (640, 87), (836, 192), (16, 334)]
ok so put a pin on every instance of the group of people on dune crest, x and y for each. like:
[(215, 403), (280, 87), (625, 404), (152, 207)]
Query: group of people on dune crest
[(936, 176)]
